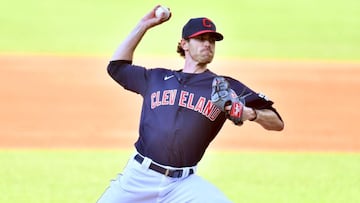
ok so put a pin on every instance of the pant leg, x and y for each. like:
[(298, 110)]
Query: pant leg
[(194, 189), (138, 184), (134, 185), (113, 192)]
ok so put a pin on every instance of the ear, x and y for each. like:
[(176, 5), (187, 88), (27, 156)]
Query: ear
[(184, 44)]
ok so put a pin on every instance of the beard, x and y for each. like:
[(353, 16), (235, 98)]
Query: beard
[(205, 57)]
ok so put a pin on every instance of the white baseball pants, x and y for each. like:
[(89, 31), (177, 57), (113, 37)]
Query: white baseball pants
[(139, 184)]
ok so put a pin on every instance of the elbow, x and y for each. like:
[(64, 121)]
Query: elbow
[(271, 120), (111, 69), (116, 68), (278, 126)]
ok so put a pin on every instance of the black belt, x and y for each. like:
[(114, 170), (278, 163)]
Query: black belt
[(167, 172)]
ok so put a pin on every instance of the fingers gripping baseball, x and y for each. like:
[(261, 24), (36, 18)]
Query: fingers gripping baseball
[(156, 16), (226, 99), (162, 12)]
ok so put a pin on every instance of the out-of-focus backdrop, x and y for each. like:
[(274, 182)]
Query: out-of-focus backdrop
[(66, 128)]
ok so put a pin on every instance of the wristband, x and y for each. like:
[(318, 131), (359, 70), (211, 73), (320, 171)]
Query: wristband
[(253, 119)]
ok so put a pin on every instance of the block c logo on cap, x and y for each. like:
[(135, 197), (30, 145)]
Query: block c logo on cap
[(207, 23)]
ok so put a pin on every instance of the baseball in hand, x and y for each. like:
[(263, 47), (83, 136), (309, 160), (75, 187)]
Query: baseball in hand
[(162, 12)]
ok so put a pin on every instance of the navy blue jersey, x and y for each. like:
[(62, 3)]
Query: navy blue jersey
[(178, 120)]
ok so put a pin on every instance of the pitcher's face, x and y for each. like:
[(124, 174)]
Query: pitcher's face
[(201, 48)]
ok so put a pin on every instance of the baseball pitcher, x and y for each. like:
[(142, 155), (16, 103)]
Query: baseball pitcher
[(182, 112)]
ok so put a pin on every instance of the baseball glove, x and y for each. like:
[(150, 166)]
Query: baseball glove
[(225, 98)]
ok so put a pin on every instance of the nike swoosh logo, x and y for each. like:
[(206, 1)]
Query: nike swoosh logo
[(168, 77)]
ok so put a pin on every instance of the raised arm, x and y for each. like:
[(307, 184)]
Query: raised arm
[(125, 50)]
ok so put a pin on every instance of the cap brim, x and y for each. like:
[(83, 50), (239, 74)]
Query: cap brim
[(217, 35)]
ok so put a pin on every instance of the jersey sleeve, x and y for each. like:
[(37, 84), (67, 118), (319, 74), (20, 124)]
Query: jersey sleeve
[(129, 76)]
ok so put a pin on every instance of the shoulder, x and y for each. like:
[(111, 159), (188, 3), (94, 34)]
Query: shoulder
[(159, 72), (238, 86)]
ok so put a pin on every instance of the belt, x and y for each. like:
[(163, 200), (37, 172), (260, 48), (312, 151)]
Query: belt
[(167, 172)]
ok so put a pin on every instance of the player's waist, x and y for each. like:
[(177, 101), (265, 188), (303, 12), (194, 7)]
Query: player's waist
[(164, 170)]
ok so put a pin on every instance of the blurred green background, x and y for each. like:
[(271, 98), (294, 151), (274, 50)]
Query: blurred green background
[(300, 29), (281, 29), (81, 176)]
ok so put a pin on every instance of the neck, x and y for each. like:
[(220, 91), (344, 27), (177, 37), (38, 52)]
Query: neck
[(194, 68)]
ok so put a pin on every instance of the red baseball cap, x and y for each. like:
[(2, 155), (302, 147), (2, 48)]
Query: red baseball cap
[(197, 26)]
